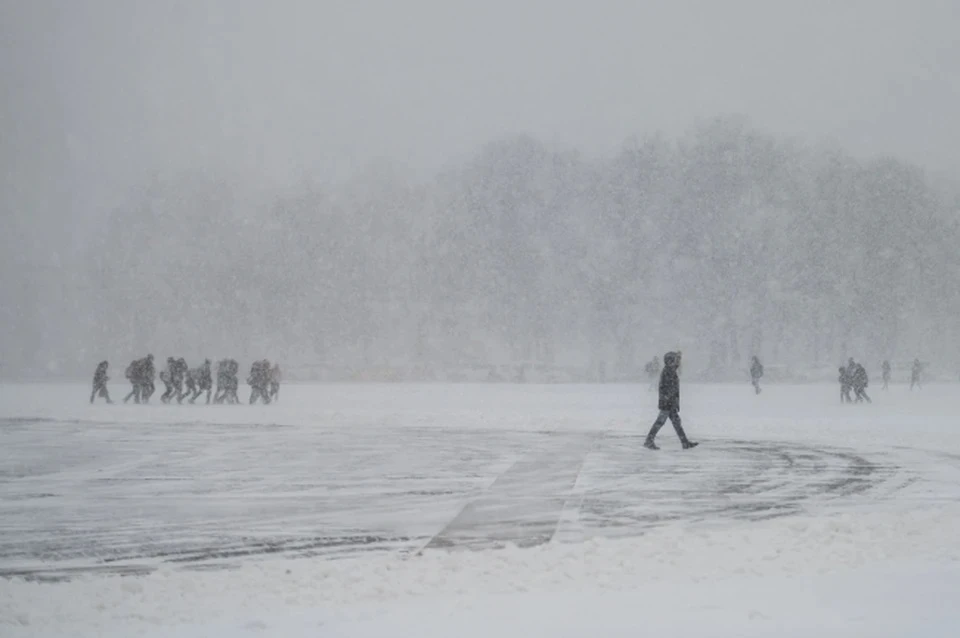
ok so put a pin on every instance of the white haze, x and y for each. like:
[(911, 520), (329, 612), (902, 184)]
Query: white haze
[(372, 183)]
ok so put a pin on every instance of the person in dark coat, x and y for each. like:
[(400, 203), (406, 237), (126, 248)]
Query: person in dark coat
[(756, 371), (259, 381), (166, 376), (886, 374), (669, 403), (147, 375), (179, 377), (221, 381), (231, 382), (845, 386), (134, 375), (227, 382), (100, 379), (860, 381), (851, 372), (190, 382), (201, 380), (234, 381)]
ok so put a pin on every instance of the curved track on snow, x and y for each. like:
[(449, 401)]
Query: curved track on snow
[(80, 497)]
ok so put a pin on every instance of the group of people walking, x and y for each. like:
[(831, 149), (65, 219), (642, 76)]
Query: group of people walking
[(182, 382), (854, 377)]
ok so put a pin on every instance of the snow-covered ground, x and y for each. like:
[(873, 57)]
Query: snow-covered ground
[(480, 510)]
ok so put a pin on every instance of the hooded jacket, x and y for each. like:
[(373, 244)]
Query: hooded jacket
[(670, 383)]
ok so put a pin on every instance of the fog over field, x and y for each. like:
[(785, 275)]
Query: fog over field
[(425, 185)]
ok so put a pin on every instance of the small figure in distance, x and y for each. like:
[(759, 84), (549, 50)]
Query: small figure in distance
[(915, 373), (756, 371), (653, 371), (100, 379)]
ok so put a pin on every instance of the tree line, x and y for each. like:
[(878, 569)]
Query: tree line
[(724, 243)]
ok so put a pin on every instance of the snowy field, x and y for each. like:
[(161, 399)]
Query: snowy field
[(480, 510)]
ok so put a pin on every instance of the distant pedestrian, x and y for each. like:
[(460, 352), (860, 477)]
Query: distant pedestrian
[(166, 375), (259, 381), (756, 371), (860, 382), (147, 375), (133, 374), (180, 369), (846, 385), (915, 373), (201, 380), (100, 379), (653, 371), (275, 378)]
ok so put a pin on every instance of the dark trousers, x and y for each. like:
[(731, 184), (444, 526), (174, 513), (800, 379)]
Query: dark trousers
[(134, 394), (674, 417), (147, 391), (168, 394), (259, 392), (227, 393), (100, 390), (199, 390)]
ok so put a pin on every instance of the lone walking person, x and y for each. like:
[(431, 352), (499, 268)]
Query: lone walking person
[(100, 379), (756, 371), (915, 373), (669, 403)]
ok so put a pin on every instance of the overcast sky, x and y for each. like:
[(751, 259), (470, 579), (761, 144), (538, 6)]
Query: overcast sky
[(97, 93)]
